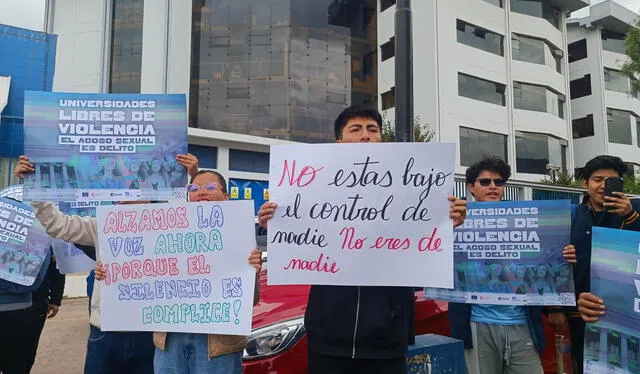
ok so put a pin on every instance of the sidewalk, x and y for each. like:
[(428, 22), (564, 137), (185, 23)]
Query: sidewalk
[(63, 343)]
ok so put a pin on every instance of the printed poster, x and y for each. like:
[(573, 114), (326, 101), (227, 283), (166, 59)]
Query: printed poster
[(361, 214), (104, 147), (23, 243), (510, 253), (70, 259), (612, 345), (177, 267)]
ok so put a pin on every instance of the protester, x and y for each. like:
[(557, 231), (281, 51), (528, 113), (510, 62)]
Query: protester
[(189, 353), (596, 209), (107, 351), (499, 338), (359, 329), (16, 323)]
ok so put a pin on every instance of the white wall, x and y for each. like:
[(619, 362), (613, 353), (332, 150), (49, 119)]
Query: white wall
[(80, 56)]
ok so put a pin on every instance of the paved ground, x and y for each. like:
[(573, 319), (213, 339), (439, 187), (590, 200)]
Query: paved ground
[(63, 343)]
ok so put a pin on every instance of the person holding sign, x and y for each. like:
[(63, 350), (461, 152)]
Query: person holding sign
[(107, 352), (208, 353), (602, 206), (500, 338), (376, 323)]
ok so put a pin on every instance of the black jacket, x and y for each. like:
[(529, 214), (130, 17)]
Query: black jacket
[(52, 288), (360, 322), (582, 224)]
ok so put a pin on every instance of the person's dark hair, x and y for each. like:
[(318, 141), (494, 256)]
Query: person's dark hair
[(354, 112), (603, 162), (215, 173), (495, 164)]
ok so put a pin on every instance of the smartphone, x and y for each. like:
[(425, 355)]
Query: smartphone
[(613, 184)]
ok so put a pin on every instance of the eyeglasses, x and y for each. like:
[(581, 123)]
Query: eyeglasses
[(485, 182), (194, 187)]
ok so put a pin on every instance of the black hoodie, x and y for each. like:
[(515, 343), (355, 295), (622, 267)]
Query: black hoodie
[(360, 322)]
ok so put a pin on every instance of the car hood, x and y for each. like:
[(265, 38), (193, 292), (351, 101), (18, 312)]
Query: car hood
[(279, 303)]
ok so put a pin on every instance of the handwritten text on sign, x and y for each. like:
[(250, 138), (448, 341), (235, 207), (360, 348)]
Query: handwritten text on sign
[(178, 267), (361, 214)]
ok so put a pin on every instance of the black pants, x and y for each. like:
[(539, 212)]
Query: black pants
[(323, 364), (15, 339), (576, 327), (38, 315)]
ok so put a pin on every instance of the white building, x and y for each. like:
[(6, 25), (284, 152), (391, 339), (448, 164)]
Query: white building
[(604, 113), (491, 76)]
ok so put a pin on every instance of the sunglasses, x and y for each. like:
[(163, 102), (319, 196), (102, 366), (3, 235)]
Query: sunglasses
[(485, 182), (194, 187)]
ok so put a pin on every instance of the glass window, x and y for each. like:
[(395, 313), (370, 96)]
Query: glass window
[(535, 151), (619, 126), (126, 46), (281, 68), (537, 98), (638, 132), (476, 144), (480, 38), (537, 8), (582, 127), (537, 51), (616, 81), (495, 2), (385, 4), (388, 49), (580, 87), (613, 41), (480, 89), (207, 156), (577, 50), (388, 99), (253, 162)]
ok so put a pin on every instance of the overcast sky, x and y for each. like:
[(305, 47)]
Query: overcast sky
[(29, 14)]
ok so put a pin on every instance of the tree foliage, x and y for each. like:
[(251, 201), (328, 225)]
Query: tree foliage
[(632, 67), (421, 132)]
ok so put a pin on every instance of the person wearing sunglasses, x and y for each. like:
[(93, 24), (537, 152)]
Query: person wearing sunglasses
[(189, 353), (498, 338)]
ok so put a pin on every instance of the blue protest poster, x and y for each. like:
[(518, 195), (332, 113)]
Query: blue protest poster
[(104, 147), (612, 345), (510, 253), (23, 243)]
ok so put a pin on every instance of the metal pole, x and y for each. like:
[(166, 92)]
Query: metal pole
[(404, 72)]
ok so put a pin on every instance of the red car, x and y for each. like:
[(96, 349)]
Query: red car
[(278, 343)]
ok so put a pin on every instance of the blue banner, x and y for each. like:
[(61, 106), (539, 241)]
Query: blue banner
[(510, 253), (612, 345), (23, 243), (104, 147)]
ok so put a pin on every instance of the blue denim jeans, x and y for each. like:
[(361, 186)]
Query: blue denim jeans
[(189, 354), (110, 352)]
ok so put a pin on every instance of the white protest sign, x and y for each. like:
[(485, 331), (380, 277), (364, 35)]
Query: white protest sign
[(177, 267), (70, 259), (361, 214)]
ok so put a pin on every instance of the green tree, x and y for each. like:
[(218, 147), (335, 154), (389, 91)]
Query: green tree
[(563, 179), (632, 67), (421, 132)]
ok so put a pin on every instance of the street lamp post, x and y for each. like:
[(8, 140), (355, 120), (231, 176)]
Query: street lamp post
[(404, 72)]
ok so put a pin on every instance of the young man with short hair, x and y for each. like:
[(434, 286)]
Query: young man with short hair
[(498, 338), (359, 329), (596, 209)]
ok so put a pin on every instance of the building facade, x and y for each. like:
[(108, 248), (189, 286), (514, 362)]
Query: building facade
[(605, 114), (27, 63), (490, 76)]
